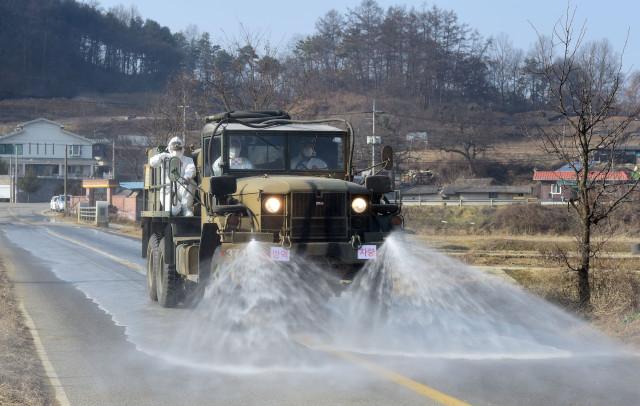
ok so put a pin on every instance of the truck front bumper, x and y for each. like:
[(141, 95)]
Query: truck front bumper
[(343, 252)]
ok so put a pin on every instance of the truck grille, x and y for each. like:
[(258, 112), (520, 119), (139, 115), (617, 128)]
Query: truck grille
[(319, 216)]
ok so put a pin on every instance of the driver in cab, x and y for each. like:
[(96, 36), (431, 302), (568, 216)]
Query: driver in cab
[(306, 159)]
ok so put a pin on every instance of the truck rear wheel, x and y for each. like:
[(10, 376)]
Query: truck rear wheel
[(152, 266), (168, 282)]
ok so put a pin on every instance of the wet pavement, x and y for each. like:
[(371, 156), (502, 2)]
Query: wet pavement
[(85, 291)]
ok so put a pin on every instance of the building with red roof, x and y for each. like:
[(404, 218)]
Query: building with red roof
[(557, 186)]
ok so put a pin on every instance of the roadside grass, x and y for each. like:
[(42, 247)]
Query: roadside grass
[(512, 220), (543, 244), (22, 377)]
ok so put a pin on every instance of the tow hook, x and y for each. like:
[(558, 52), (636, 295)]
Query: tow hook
[(355, 242), (285, 241)]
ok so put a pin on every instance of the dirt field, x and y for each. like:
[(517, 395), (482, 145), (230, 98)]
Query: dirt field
[(22, 377)]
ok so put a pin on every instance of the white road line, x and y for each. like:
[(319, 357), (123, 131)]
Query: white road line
[(61, 395)]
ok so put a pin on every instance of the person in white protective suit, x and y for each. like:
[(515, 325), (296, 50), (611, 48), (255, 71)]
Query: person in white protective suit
[(185, 187), (235, 160)]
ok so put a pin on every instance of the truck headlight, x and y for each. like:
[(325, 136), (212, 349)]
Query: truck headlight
[(359, 205), (273, 204)]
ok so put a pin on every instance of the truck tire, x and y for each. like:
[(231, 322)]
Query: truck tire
[(168, 283), (153, 251)]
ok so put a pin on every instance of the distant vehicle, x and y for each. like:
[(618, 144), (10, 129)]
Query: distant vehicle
[(264, 177), (57, 202), (61, 202)]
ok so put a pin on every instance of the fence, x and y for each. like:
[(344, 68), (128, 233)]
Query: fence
[(97, 215), (475, 202), (87, 214)]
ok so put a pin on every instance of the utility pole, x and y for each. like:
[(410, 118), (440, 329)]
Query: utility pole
[(373, 140), (64, 199), (11, 179), (15, 178), (373, 133), (113, 158), (184, 108)]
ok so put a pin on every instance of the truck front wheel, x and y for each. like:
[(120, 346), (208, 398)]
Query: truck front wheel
[(168, 282), (153, 248)]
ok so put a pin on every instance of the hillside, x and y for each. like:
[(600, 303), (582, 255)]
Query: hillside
[(55, 48), (514, 150)]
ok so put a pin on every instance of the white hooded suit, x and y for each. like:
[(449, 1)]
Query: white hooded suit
[(185, 187)]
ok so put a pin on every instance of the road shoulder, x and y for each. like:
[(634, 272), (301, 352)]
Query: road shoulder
[(23, 380)]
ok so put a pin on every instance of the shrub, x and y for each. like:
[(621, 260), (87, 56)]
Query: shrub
[(533, 219)]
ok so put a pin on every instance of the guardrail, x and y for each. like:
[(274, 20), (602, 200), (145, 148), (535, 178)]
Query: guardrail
[(476, 202)]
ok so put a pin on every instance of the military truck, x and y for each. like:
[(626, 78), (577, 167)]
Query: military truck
[(254, 183)]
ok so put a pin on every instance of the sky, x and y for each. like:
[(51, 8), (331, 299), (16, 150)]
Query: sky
[(283, 20)]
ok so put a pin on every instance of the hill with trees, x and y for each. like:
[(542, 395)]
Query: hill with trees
[(62, 47), (427, 70)]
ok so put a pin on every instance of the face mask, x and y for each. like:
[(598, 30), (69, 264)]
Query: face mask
[(177, 153), (307, 152), (234, 152)]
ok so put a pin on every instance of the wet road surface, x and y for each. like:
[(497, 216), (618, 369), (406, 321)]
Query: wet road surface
[(85, 291)]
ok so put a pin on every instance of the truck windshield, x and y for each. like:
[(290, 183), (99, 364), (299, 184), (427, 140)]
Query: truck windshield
[(283, 153)]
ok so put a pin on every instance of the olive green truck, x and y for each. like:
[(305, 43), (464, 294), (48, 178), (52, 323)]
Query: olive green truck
[(264, 177)]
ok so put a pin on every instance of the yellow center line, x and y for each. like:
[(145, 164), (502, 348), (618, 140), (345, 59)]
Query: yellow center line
[(392, 376)]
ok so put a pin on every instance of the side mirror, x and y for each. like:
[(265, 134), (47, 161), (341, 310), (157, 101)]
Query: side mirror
[(174, 169), (378, 184), (223, 185), (387, 157)]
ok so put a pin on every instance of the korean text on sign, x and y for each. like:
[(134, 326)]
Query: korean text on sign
[(367, 252), (280, 254)]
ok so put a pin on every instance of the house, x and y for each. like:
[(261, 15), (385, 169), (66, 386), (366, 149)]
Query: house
[(558, 186), (470, 190), (39, 147)]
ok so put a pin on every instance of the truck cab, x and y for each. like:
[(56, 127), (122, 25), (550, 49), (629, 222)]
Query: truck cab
[(286, 184)]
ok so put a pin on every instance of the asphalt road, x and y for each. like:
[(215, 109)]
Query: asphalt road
[(107, 344)]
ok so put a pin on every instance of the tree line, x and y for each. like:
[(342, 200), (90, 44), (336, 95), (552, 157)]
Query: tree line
[(424, 55), (62, 47)]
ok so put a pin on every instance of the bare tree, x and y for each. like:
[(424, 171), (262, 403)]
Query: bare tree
[(506, 69), (467, 132), (250, 76), (169, 119), (632, 91), (585, 84)]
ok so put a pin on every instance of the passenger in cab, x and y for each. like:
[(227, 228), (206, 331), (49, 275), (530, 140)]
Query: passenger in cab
[(236, 161)]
